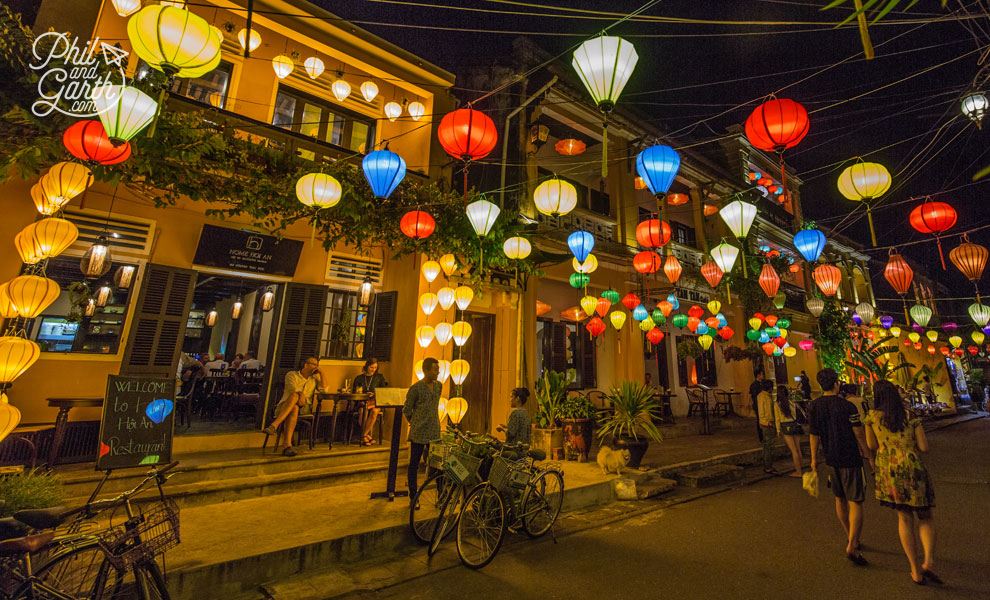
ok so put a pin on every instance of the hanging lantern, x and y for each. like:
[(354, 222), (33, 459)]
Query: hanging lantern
[(646, 324), (810, 243), (696, 311), (124, 277), (806, 344), (672, 268), (417, 224), (595, 327), (770, 319), (443, 333), (863, 182), (779, 300), (618, 319), (769, 348), (248, 40), (90, 308), (777, 125), (424, 335), (978, 337), (630, 301), (680, 320), (467, 134), (456, 409), (709, 209), (41, 201), (416, 110), (340, 88), (580, 244), (895, 331), (393, 110), (517, 248), (653, 233), (647, 261), (445, 296), (124, 8), (102, 296), (638, 183), (573, 313), (63, 182), (665, 306), (369, 89), (658, 316), (589, 266), (950, 327), (827, 277), (790, 352), (589, 304), (31, 295), (769, 280), (570, 147), (898, 273), (235, 311), (444, 374), (431, 270), (725, 332), (677, 199), (655, 336), (176, 42), (932, 335), (283, 66), (482, 215), (27, 247), (921, 314), (944, 350), (725, 256), (956, 341), (555, 197), (86, 140), (124, 111), (384, 170), (974, 106), (16, 356), (739, 216), (448, 263), (211, 318), (714, 306), (463, 296), (658, 166), (7, 308), (314, 68), (603, 307), (886, 321), (97, 260), (712, 273), (914, 337), (712, 323), (934, 218), (752, 335), (866, 311), (980, 313), (972, 350), (462, 331), (318, 190), (428, 302), (794, 268), (970, 259), (858, 320), (459, 370), (578, 280), (611, 295)]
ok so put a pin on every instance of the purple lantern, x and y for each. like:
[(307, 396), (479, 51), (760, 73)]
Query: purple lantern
[(918, 328), (950, 327), (858, 320), (887, 321), (986, 330)]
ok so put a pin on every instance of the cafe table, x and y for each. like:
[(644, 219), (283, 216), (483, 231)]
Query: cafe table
[(64, 405), (336, 398)]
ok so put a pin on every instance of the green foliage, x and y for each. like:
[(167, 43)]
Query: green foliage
[(832, 337), (29, 489), (551, 391), (932, 373), (577, 406), (751, 352), (633, 415), (871, 363), (689, 349)]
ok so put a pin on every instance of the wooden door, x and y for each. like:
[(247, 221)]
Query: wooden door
[(477, 388), (159, 326), (298, 335)]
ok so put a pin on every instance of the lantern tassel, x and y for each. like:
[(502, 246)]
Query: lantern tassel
[(869, 217), (312, 234), (158, 111), (605, 148), (941, 256)]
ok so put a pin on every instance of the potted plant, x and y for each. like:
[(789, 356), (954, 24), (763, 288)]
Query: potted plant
[(577, 419), (551, 390), (631, 425), (29, 489)]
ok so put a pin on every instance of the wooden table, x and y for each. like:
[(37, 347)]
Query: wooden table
[(732, 394), (335, 397), (666, 412), (64, 405)]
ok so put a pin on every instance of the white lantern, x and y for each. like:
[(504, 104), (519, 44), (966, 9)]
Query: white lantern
[(124, 111), (605, 64), (517, 248), (431, 269), (283, 66), (816, 305), (416, 110), (444, 371), (725, 256), (739, 217), (369, 89), (424, 336), (392, 110), (866, 312), (428, 302), (443, 332), (125, 8), (482, 215), (246, 44), (445, 296), (974, 106), (341, 89), (314, 66)]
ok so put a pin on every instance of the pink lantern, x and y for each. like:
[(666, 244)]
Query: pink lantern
[(806, 344)]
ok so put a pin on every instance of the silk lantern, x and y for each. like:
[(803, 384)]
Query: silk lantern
[(956, 341), (16, 356), (431, 270), (456, 409), (7, 308), (672, 268), (124, 8), (283, 66), (448, 263), (769, 280), (980, 313), (714, 306), (863, 182), (898, 273), (340, 88), (866, 311), (31, 294), (517, 248), (428, 302), (658, 166), (10, 417), (646, 324), (970, 259), (647, 261), (978, 337), (314, 67), (665, 307), (318, 190), (580, 244), (921, 314), (249, 40), (459, 370), (677, 199), (482, 215), (712, 273), (810, 243), (950, 327), (41, 201), (555, 197), (578, 280), (934, 218), (776, 125), (738, 216), (174, 41), (603, 307), (87, 140), (640, 313), (886, 321), (595, 326), (124, 111), (573, 313), (467, 134), (589, 266), (974, 106), (653, 233), (617, 318), (630, 301), (779, 300), (424, 335), (655, 336), (445, 296), (588, 305), (52, 236), (806, 344), (932, 335), (384, 171), (462, 331), (725, 256), (914, 336), (571, 147), (895, 331), (827, 277), (611, 295), (64, 181), (725, 332), (463, 296), (393, 110), (369, 90), (417, 224), (443, 333)]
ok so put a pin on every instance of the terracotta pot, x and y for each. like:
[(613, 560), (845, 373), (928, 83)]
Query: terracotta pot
[(547, 439), (577, 438), (636, 448)]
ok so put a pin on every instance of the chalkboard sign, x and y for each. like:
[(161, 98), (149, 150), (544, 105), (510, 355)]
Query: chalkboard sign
[(227, 248), (136, 428)]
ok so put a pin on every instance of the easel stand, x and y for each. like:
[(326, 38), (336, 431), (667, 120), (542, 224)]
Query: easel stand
[(390, 492)]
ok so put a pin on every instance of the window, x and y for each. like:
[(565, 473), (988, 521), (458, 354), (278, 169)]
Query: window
[(598, 203), (344, 326), (65, 326), (211, 88), (704, 365), (562, 349), (682, 234), (322, 121)]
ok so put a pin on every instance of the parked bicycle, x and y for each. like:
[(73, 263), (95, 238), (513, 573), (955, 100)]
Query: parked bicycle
[(78, 561)]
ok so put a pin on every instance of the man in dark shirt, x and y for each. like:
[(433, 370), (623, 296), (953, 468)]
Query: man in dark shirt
[(836, 427), (754, 391), (805, 386)]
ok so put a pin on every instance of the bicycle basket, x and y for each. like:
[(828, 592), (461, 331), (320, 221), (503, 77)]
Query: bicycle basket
[(507, 475), (462, 467), (475, 447), (439, 451), (158, 532)]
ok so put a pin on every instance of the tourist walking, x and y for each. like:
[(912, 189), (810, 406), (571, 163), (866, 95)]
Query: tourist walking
[(764, 413), (420, 409), (836, 428), (902, 481), (788, 427)]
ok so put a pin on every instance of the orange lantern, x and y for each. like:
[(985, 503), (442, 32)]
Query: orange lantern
[(694, 375), (696, 311), (542, 308), (653, 233), (570, 147), (770, 319), (573, 313), (898, 273), (794, 268), (639, 184), (827, 277), (712, 273), (672, 268), (711, 322), (969, 258), (603, 306), (710, 210), (693, 323), (931, 349), (646, 261), (31, 294), (677, 199), (769, 348), (769, 281), (944, 350), (665, 307)]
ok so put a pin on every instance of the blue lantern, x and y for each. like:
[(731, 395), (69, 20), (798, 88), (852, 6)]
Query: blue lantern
[(702, 329), (764, 338), (384, 171), (673, 300), (857, 319), (810, 243), (158, 409), (640, 313), (722, 322), (581, 243), (886, 322), (658, 165)]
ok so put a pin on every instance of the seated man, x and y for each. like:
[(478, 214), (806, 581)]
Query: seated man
[(217, 364), (251, 362), (297, 399)]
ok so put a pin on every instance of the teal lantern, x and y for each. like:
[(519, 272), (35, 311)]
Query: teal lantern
[(673, 301), (764, 337), (702, 329), (640, 313)]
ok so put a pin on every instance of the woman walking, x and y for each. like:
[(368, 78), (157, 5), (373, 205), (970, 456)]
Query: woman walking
[(902, 481), (788, 427)]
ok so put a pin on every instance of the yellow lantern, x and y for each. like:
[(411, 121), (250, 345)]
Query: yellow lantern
[(45, 206), (444, 371), (462, 331), (27, 247), (459, 370), (463, 295), (418, 370), (318, 190), (177, 42), (7, 308), (895, 331), (448, 263), (456, 409), (31, 294), (705, 341), (393, 110), (428, 302), (754, 323), (16, 356), (646, 324), (782, 333), (283, 66), (442, 409), (369, 89), (416, 110), (217, 32), (618, 319), (590, 265), (52, 236), (10, 417), (250, 44), (790, 352), (956, 341), (862, 182), (431, 269), (932, 335), (443, 333), (555, 197), (314, 67), (978, 337), (125, 8), (589, 304), (424, 335), (517, 248), (914, 336), (65, 181), (714, 306), (340, 88), (445, 296)]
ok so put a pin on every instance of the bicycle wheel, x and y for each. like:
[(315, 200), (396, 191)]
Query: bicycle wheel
[(541, 503), (447, 517), (81, 572), (429, 498), (482, 526), (144, 581)]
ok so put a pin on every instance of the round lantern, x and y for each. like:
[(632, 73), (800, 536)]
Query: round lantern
[(640, 313), (934, 218), (595, 326), (570, 147), (921, 314), (86, 140), (658, 165), (696, 311), (653, 233), (443, 333), (578, 280), (862, 182), (417, 224), (448, 263), (806, 344), (416, 110), (777, 125), (177, 42), (677, 199), (712, 273), (810, 243), (866, 311), (30, 294), (630, 301), (752, 335), (456, 409), (827, 277), (384, 170), (647, 261), (10, 417), (769, 280), (462, 331), (459, 370), (318, 190), (658, 317), (41, 201), (124, 111), (980, 313), (431, 270), (52, 236), (611, 295), (790, 352), (467, 134), (463, 296), (445, 296), (555, 197), (680, 320), (617, 318), (428, 302), (794, 268), (672, 268), (16, 356), (589, 266), (517, 248), (392, 110), (970, 259), (424, 335), (64, 181), (580, 244), (898, 273), (725, 256)]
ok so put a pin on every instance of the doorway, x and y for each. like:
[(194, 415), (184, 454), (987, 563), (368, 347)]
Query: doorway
[(477, 388)]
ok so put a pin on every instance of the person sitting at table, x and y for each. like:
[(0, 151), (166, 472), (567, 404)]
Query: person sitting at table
[(366, 383), (217, 364), (236, 363), (251, 362), (297, 399)]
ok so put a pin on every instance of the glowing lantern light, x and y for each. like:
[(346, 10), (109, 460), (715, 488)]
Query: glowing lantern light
[(595, 326), (41, 201), (97, 260), (340, 88), (895, 331), (459, 370), (769, 280), (618, 319), (428, 302), (393, 110), (64, 181), (712, 323), (779, 300), (283, 66), (639, 184), (914, 336), (443, 333), (974, 106), (677, 199), (441, 408), (318, 190), (124, 111), (658, 166), (769, 348), (369, 89), (725, 256), (456, 409), (738, 216), (770, 319), (249, 42), (570, 147), (752, 335), (424, 335), (30, 294), (211, 318), (693, 323), (482, 215), (658, 316), (777, 125), (921, 314), (463, 296), (705, 341), (10, 417), (898, 273), (806, 344), (640, 313), (517, 248), (51, 236), (866, 311), (86, 140), (810, 243), (589, 304), (462, 331), (416, 110), (712, 273), (467, 134), (932, 335), (431, 270), (972, 350), (555, 197), (978, 337), (944, 351), (384, 171), (445, 296), (611, 295), (26, 246), (16, 356), (862, 182), (714, 306), (589, 266), (949, 327), (794, 268), (603, 307), (417, 224), (647, 261), (578, 280), (666, 306), (710, 209), (725, 332), (653, 233), (970, 259), (448, 263), (646, 324), (174, 41), (827, 277), (955, 341), (886, 321), (934, 218), (672, 268), (755, 322), (655, 336), (124, 8), (580, 244), (314, 68), (980, 313), (630, 301)]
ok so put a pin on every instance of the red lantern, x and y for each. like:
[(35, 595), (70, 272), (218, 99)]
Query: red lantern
[(794, 268), (725, 332), (603, 305), (777, 125), (973, 350), (898, 273), (631, 301), (653, 233), (665, 307), (646, 261), (769, 281), (944, 350), (87, 140), (871, 335), (827, 277), (655, 336), (595, 327), (672, 268), (934, 218), (917, 346), (467, 134), (931, 349), (696, 311), (759, 316), (764, 181), (770, 319), (907, 343), (677, 199), (712, 322), (781, 342), (570, 147), (769, 348), (958, 352), (710, 209), (417, 224), (712, 273)]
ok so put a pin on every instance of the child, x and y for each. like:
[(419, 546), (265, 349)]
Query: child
[(519, 428)]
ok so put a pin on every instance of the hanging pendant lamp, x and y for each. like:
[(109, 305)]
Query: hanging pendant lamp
[(174, 41), (124, 111), (864, 182), (934, 218), (555, 197), (97, 260)]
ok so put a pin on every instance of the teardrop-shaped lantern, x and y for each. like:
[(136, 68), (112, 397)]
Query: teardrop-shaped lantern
[(461, 331), (580, 243), (416, 110), (725, 256), (428, 302), (482, 215), (283, 66), (589, 304), (459, 370), (392, 110), (866, 311), (369, 90), (445, 296), (712, 273), (810, 243), (174, 41), (827, 277), (769, 280), (672, 268), (456, 409), (463, 296), (555, 197), (595, 326), (124, 111), (658, 166), (921, 314), (314, 66), (340, 88), (431, 270), (443, 333), (898, 273), (974, 106), (249, 40), (384, 171), (980, 313), (424, 336), (618, 319)]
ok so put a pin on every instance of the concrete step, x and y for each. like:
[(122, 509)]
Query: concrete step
[(654, 487), (710, 476)]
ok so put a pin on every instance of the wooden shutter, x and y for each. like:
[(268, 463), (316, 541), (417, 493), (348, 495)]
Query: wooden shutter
[(586, 361), (558, 347), (381, 319), (159, 325), (300, 327)]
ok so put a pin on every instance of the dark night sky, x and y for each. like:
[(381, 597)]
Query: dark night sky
[(764, 60)]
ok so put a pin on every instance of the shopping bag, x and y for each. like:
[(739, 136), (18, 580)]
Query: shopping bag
[(809, 481)]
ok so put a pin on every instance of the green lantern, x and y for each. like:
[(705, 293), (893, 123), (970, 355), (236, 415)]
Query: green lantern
[(753, 335), (579, 280), (779, 300), (647, 324), (784, 323), (772, 332), (679, 320), (921, 314), (657, 316), (611, 295), (980, 313)]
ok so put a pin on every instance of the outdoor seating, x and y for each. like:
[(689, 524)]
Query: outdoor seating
[(307, 421), (697, 400), (246, 391), (184, 399), (723, 402), (662, 397)]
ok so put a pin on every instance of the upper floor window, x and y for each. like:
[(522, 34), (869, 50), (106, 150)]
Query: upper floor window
[(322, 120), (682, 234), (212, 88)]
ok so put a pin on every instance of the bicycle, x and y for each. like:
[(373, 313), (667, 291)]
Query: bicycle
[(517, 491), (80, 565)]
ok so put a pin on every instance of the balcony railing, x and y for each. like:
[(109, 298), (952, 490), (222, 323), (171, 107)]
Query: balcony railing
[(774, 213)]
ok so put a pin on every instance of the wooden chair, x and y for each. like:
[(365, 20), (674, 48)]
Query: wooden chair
[(183, 400), (723, 402), (697, 400), (246, 392), (308, 421)]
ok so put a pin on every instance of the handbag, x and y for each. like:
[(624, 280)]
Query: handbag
[(809, 481)]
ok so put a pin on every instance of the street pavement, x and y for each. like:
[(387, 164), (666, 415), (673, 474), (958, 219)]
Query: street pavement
[(765, 540)]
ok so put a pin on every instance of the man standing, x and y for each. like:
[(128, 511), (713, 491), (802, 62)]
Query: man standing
[(805, 386), (836, 427), (420, 409), (754, 393)]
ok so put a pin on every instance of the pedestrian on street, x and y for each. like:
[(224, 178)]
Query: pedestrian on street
[(835, 426), (754, 392), (902, 481), (788, 427), (767, 430), (805, 386), (420, 409)]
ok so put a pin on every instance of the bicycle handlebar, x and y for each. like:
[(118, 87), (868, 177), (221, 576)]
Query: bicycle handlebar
[(156, 473)]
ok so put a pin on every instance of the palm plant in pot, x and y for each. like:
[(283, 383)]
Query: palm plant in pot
[(551, 391), (577, 418), (630, 426)]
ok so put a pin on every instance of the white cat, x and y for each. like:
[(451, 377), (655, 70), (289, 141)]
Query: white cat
[(612, 460)]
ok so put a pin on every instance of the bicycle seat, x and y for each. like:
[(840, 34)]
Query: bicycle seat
[(11, 528), (44, 518), (28, 544), (537, 454)]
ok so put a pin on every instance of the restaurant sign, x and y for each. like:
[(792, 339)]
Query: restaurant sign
[(69, 73), (137, 423), (247, 251)]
